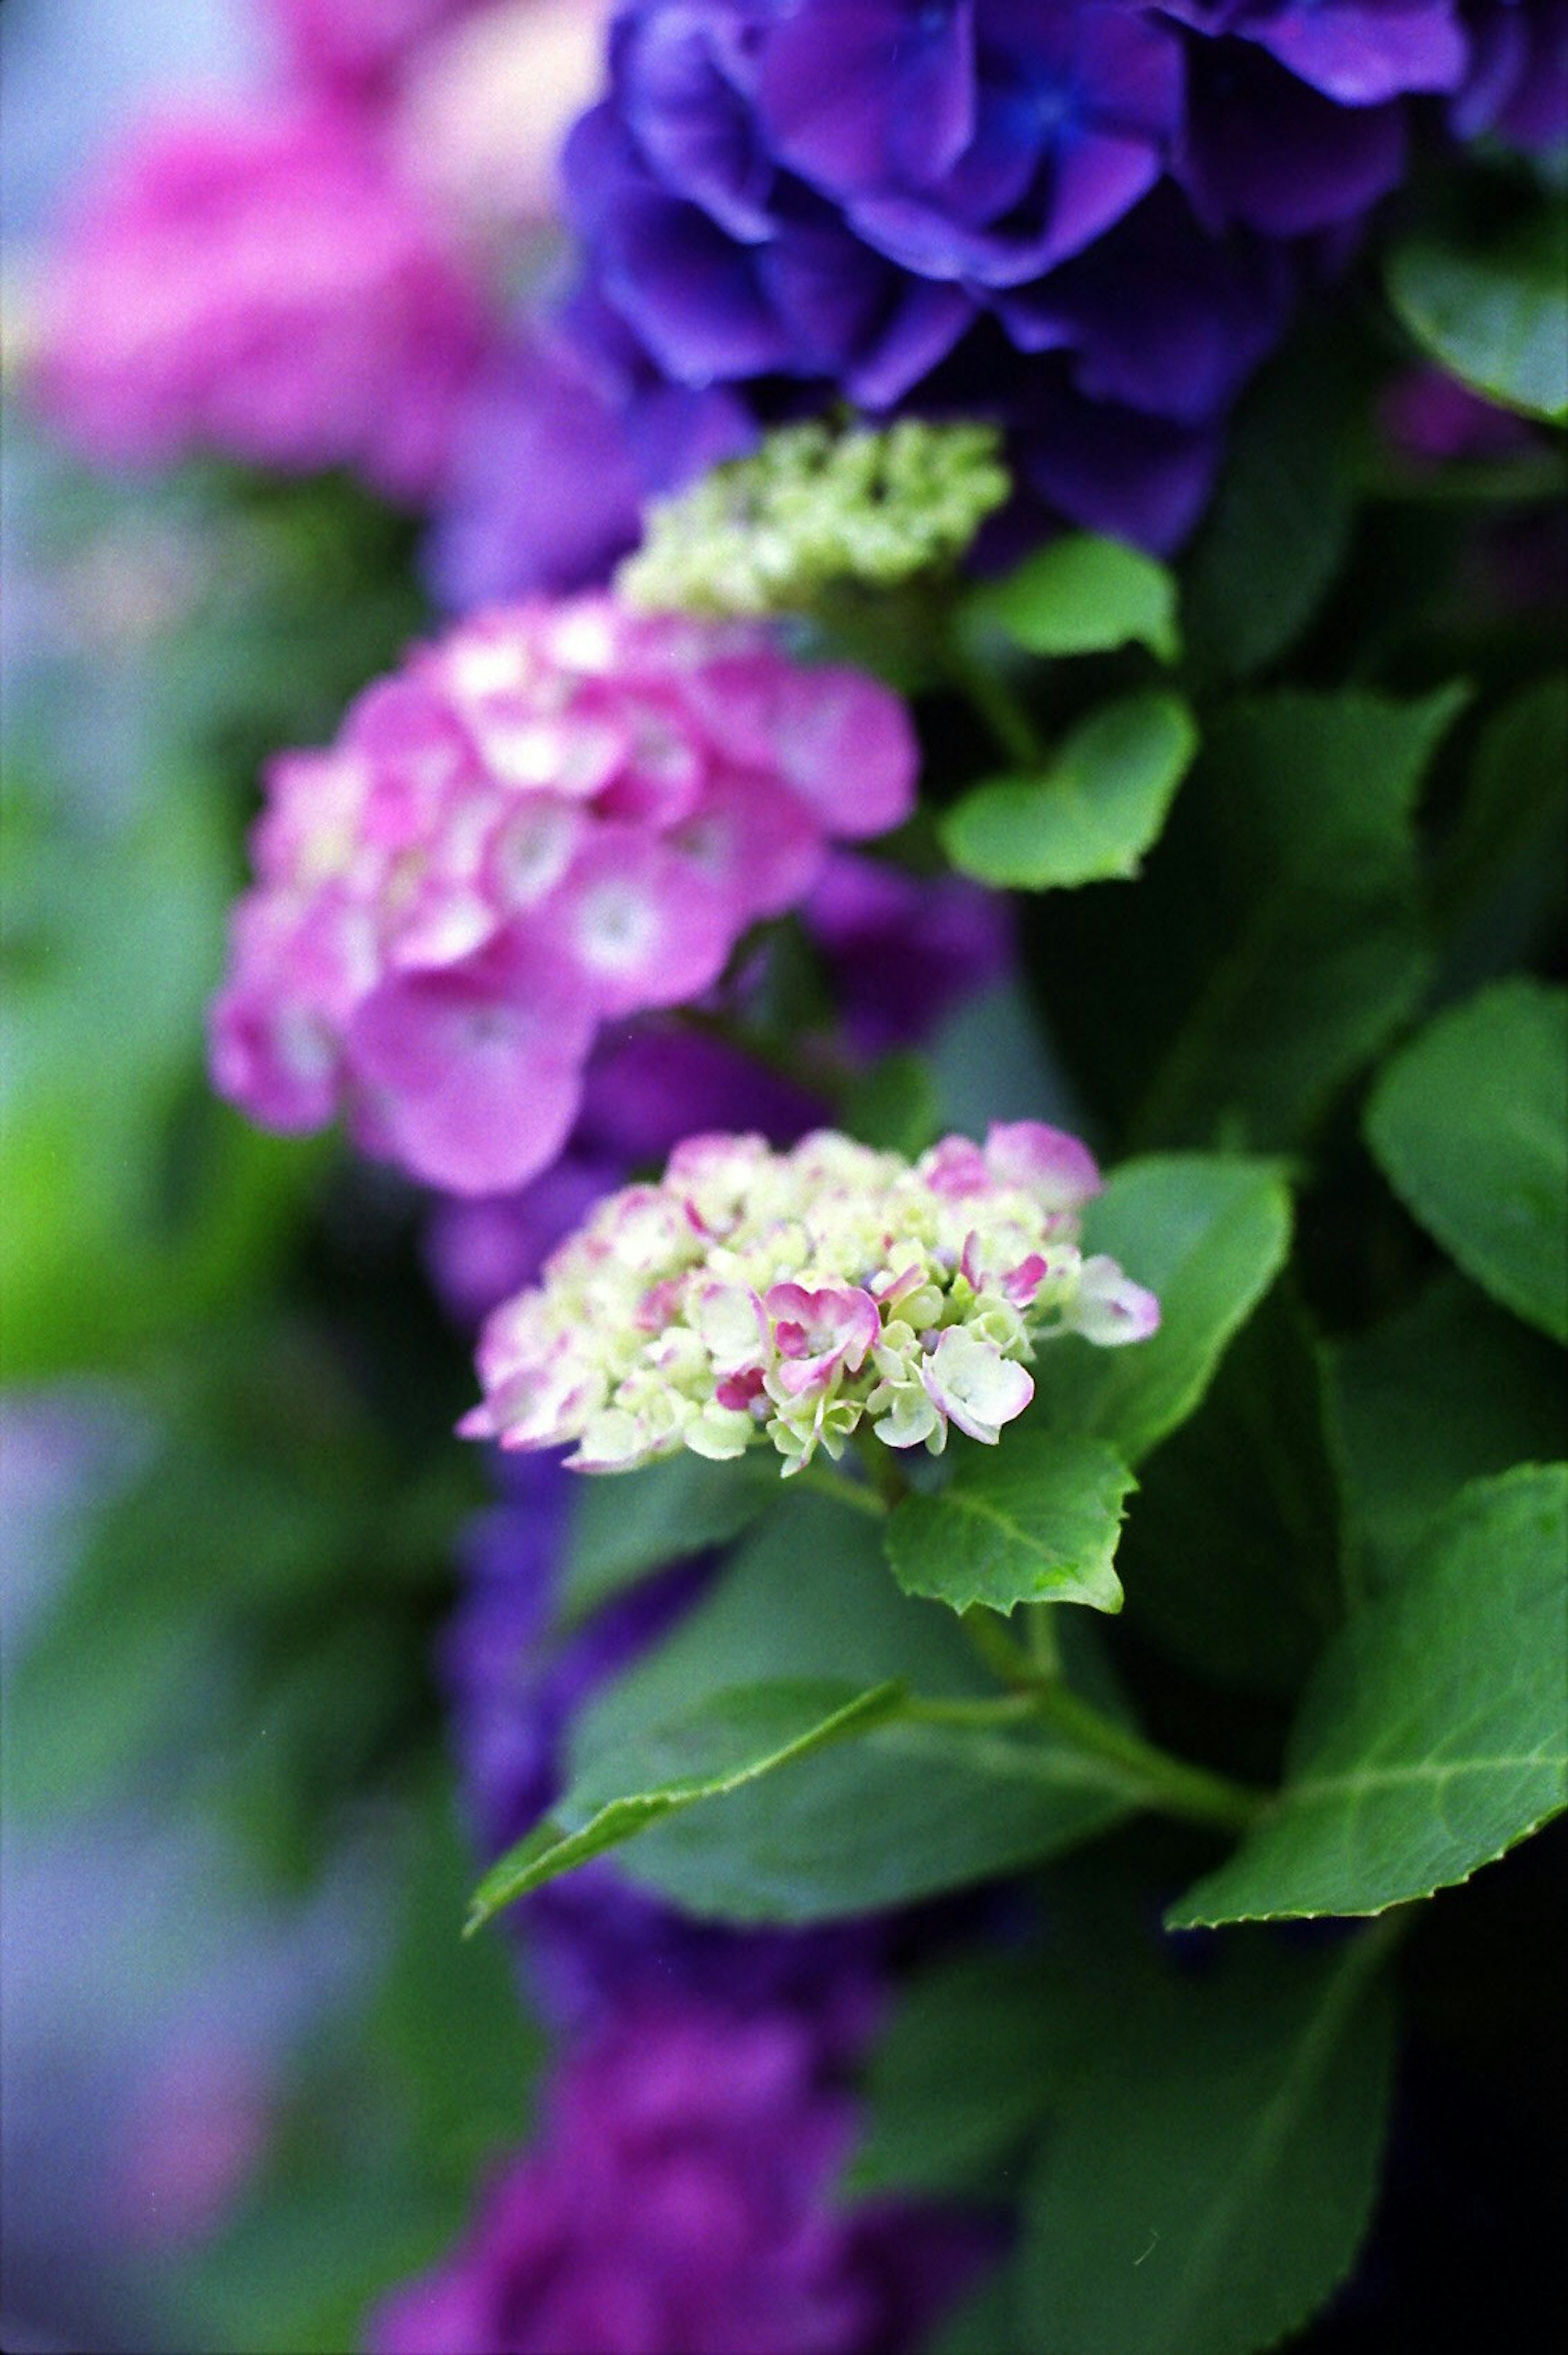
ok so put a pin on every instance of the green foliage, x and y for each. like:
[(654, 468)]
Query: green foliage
[(1093, 813), (246, 1623), (1498, 880), (910, 1809), (1081, 595), (1490, 305), (624, 1527), (1212, 2160), (1033, 1520), (133, 1203), (1238, 1577), (716, 1748), (1470, 1127), (1207, 1236), (1445, 1391), (1434, 1733), (968, 2067), (1301, 853), (395, 2116), (1278, 530)]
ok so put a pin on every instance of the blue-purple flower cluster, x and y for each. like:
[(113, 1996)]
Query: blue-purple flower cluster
[(1084, 220)]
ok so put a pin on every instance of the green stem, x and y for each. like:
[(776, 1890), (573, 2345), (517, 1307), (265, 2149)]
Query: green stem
[(841, 1488), (997, 706), (1007, 1709), (1044, 1651), (1170, 1786)]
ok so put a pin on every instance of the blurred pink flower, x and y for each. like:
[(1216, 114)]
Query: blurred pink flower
[(260, 286)]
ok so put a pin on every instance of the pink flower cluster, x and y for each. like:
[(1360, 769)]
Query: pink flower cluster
[(800, 1296), (260, 286), (679, 2200), (559, 816), (353, 47)]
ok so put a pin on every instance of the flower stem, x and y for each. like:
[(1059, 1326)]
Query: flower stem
[(841, 1488), (1170, 1786)]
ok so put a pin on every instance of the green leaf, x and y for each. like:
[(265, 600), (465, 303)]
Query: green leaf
[(1237, 1579), (726, 1740), (1207, 1236), (625, 1527), (969, 2065), (1277, 531), (1435, 1735), (1035, 1519), (1083, 595), (452, 2037), (1302, 849), (910, 1809), (1092, 816), (989, 1063), (1469, 1126), (1497, 883), (1449, 1391), (1492, 308), (1207, 2180), (894, 1107)]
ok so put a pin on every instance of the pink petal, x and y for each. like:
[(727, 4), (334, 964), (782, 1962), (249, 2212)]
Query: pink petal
[(1058, 1171), (472, 1073)]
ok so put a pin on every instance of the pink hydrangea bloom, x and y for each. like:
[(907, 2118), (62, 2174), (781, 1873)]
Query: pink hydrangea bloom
[(260, 285), (801, 1297), (559, 816), (355, 47), (680, 2200)]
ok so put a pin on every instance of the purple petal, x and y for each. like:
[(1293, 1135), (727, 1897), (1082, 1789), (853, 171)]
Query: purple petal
[(857, 93), (1363, 54), (1263, 149)]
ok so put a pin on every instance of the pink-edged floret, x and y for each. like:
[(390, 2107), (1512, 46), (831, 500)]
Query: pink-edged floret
[(1056, 1168)]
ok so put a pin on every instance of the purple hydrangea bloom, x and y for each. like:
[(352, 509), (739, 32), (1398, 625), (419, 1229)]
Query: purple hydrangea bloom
[(1075, 219), (678, 2204), (1517, 85), (552, 460), (1357, 52)]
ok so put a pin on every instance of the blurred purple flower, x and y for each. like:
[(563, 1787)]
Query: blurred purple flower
[(1357, 52), (549, 469), (863, 915), (1517, 86), (678, 2204), (1429, 416)]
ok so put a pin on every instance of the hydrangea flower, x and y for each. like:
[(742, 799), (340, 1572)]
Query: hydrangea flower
[(679, 2199), (559, 816), (1517, 85), (814, 510), (796, 1295), (355, 47), (260, 286)]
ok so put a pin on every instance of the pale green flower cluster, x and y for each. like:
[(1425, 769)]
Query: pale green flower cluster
[(795, 1296), (816, 509)]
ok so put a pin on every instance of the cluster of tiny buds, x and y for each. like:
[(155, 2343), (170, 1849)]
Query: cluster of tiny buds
[(813, 510), (798, 1296)]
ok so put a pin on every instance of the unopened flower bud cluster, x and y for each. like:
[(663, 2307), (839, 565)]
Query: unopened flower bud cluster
[(797, 1297), (813, 509)]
